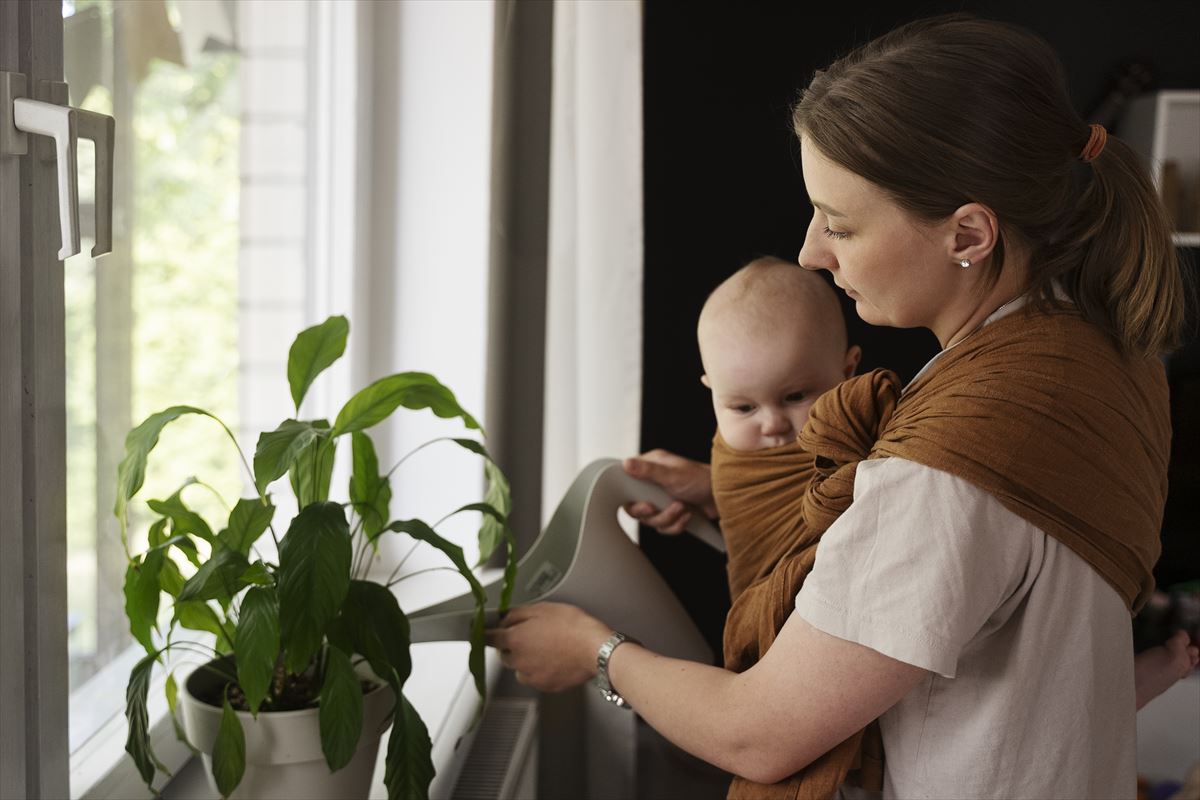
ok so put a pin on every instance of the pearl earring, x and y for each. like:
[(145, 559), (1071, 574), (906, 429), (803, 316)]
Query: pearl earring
[(965, 263)]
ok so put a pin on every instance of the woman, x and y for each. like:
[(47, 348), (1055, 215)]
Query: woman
[(975, 595)]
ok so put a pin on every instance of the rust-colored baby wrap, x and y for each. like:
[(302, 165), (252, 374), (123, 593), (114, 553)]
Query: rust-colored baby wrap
[(1040, 410)]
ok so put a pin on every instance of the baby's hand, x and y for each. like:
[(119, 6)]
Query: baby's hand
[(688, 482), (1159, 668)]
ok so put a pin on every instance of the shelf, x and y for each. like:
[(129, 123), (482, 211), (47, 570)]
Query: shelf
[(1164, 129)]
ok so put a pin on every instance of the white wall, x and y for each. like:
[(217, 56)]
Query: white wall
[(442, 119), (366, 180)]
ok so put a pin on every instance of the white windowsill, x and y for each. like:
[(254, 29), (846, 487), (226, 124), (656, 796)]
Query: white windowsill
[(100, 768)]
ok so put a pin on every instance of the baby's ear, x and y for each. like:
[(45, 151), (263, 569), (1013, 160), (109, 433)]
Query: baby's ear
[(850, 364), (704, 380)]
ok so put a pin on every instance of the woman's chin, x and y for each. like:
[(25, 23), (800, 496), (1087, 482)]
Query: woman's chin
[(867, 312)]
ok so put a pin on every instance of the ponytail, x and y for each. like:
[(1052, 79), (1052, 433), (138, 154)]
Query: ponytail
[(1115, 258)]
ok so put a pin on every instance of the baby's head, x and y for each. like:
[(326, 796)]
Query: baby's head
[(772, 339)]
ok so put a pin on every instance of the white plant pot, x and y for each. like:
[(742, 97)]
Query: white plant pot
[(283, 748)]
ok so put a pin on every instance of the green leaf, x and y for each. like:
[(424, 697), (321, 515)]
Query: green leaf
[(198, 615), (340, 712), (157, 534), (494, 529), (510, 569), (492, 514), (372, 624), (277, 450), (421, 531), (247, 521), (183, 519), (217, 578), (170, 579), (229, 751), (257, 574), (370, 493), (171, 690), (408, 765), (312, 470), (137, 742), (141, 597), (138, 443), (313, 351), (414, 390), (257, 644), (313, 578)]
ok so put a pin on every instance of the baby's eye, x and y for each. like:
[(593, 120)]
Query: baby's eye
[(743, 408), (794, 397)]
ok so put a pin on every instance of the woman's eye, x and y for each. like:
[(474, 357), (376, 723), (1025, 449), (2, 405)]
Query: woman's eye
[(835, 234)]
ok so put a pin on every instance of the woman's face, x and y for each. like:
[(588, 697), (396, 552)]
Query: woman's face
[(898, 270)]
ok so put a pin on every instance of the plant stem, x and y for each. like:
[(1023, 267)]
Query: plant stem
[(421, 572), (261, 495), (217, 620), (414, 451), (401, 564), (214, 492)]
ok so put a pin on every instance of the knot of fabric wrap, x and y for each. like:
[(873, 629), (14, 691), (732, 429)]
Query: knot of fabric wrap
[(842, 429)]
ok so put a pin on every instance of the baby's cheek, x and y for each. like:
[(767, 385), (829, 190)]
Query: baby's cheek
[(801, 417), (739, 433)]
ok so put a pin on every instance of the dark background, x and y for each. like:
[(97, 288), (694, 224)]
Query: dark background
[(723, 185)]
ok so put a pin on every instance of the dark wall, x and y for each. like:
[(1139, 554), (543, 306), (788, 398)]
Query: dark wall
[(722, 180)]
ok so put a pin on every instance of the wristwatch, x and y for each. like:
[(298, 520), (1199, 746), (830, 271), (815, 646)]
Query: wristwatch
[(602, 656)]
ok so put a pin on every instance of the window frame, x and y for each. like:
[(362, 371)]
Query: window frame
[(33, 673)]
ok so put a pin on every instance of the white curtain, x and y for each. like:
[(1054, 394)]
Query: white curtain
[(594, 292), (594, 271)]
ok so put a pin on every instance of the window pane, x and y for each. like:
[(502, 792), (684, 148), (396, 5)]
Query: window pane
[(154, 323)]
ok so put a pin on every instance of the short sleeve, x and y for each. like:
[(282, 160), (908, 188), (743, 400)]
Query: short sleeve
[(917, 566)]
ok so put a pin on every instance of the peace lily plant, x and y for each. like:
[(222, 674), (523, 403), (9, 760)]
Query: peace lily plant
[(289, 631)]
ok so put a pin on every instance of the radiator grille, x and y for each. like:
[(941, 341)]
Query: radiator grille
[(502, 764)]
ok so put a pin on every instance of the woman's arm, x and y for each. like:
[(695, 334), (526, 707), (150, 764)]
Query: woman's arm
[(809, 692)]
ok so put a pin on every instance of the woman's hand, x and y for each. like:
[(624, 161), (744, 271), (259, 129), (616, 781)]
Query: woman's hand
[(688, 482), (550, 646)]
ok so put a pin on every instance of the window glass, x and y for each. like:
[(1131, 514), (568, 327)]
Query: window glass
[(155, 322)]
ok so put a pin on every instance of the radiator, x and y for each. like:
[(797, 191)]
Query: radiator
[(502, 764)]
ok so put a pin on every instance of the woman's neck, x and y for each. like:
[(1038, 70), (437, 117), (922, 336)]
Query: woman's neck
[(975, 309)]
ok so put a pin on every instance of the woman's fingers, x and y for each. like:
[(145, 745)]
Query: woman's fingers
[(550, 646)]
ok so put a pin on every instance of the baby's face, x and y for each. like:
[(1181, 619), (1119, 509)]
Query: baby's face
[(763, 387)]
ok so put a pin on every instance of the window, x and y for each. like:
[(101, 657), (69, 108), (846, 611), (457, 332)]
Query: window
[(258, 191)]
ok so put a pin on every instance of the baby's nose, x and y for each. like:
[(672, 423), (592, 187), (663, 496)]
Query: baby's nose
[(776, 424)]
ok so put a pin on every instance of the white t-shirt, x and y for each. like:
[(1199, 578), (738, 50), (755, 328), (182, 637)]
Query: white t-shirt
[(1030, 692)]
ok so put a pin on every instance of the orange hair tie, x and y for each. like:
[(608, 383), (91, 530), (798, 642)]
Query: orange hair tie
[(1095, 144)]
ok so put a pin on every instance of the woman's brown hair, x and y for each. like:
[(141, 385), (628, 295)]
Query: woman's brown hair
[(954, 109)]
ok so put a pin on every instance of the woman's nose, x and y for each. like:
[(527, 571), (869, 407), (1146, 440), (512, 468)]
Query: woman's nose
[(815, 253)]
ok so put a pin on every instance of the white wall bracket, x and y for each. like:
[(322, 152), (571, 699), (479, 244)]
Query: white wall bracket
[(51, 117)]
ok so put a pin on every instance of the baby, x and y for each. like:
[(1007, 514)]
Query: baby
[(772, 339)]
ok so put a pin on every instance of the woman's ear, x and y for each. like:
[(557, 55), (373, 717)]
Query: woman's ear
[(974, 233), (850, 364)]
